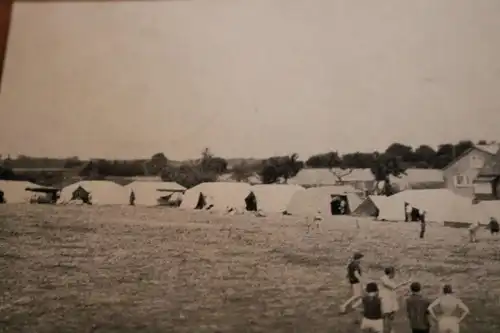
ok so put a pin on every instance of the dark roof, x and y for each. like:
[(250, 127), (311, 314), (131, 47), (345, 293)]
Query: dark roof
[(492, 167)]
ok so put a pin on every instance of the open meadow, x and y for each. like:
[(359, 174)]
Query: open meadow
[(132, 269)]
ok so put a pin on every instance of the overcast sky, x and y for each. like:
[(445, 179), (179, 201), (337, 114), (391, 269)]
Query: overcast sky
[(249, 78)]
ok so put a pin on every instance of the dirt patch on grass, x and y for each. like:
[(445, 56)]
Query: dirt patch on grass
[(103, 269)]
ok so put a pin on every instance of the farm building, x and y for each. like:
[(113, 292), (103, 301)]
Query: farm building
[(274, 198), (152, 193), (98, 192), (15, 191), (219, 196), (324, 199), (487, 183), (461, 174)]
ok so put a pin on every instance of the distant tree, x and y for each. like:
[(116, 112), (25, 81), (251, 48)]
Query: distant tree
[(358, 160), (327, 160), (461, 147), (482, 142), (382, 169), (279, 168), (157, 163), (425, 156), (243, 171)]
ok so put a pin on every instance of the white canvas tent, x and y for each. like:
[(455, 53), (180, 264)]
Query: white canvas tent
[(222, 196), (441, 205), (103, 192), (15, 191), (315, 199), (151, 193), (274, 198)]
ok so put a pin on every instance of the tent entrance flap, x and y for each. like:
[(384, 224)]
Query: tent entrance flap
[(339, 205), (81, 194), (202, 202), (251, 202)]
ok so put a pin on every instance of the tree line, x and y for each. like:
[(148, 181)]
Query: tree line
[(208, 167)]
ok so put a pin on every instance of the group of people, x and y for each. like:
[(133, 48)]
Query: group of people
[(379, 302)]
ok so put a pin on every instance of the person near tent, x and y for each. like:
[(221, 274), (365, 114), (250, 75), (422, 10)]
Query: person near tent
[(473, 229), (448, 322), (132, 198), (417, 310), (422, 223), (343, 207), (408, 211), (493, 226), (2, 197), (389, 297), (355, 280)]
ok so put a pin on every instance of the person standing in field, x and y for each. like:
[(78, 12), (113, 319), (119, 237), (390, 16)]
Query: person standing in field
[(422, 223), (493, 226), (448, 322), (474, 227), (372, 321), (354, 278), (132, 198), (389, 297), (408, 210), (417, 310)]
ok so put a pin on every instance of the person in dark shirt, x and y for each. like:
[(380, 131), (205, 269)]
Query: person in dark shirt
[(354, 278), (494, 226), (416, 308), (422, 223), (372, 310)]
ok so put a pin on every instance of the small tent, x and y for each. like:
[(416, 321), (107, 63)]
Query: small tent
[(98, 192), (273, 198), (324, 199), (219, 196), (371, 206), (153, 193), (16, 191)]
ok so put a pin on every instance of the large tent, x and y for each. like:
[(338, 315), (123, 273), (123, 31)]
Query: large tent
[(440, 205), (153, 193), (319, 199), (102, 192), (15, 191), (274, 198), (220, 196)]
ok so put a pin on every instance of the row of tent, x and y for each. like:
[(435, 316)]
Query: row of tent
[(440, 205)]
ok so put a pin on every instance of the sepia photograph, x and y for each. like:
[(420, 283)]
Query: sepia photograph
[(237, 166)]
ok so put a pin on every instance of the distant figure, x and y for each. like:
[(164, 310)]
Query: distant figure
[(417, 310), (318, 219), (422, 223), (372, 321), (354, 278), (2, 197), (132, 198), (389, 297), (448, 322), (343, 207), (493, 226), (474, 227), (408, 210)]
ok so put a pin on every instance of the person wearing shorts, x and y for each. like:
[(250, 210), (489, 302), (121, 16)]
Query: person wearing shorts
[(389, 297), (448, 322), (354, 278), (372, 310)]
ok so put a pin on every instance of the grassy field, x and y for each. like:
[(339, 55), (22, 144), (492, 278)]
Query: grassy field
[(103, 269)]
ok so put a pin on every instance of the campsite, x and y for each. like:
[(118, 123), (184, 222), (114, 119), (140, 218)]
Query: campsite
[(128, 269)]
